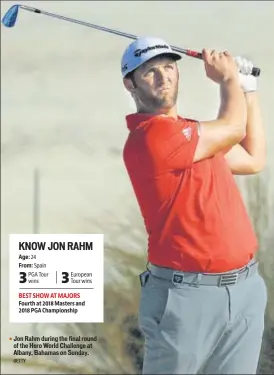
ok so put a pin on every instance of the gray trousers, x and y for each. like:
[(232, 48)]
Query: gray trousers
[(202, 329)]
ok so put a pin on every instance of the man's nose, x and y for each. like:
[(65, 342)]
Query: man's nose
[(161, 76)]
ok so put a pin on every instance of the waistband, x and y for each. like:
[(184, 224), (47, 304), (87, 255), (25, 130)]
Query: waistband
[(209, 279)]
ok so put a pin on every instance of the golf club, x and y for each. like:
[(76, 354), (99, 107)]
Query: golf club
[(10, 18)]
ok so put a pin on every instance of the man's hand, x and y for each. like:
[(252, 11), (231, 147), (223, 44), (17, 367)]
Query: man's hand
[(247, 81), (220, 67)]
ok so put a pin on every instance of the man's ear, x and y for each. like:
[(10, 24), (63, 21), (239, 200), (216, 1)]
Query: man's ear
[(129, 85)]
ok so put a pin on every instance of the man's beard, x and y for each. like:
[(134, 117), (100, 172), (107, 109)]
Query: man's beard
[(151, 102)]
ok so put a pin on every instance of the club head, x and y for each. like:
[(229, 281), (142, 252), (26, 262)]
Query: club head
[(10, 17)]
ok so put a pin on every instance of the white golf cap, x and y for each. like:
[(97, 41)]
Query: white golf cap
[(144, 49)]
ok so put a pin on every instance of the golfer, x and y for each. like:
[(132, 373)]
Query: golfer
[(202, 301)]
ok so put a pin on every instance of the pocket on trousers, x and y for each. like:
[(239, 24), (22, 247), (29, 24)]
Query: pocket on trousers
[(264, 291), (154, 304)]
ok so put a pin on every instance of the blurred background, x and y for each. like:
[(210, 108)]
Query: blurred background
[(63, 109)]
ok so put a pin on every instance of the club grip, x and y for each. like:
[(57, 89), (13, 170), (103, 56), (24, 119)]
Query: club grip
[(198, 55), (256, 72)]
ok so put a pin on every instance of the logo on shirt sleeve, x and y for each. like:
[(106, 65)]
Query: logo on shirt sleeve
[(187, 132)]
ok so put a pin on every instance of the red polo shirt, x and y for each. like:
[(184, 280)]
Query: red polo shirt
[(193, 212)]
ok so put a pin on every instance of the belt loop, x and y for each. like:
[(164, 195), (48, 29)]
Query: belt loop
[(196, 283), (248, 269)]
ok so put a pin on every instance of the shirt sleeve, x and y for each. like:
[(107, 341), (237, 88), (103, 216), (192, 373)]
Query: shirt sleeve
[(171, 144)]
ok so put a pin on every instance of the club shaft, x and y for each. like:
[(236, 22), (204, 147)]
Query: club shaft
[(88, 24), (102, 28), (188, 52)]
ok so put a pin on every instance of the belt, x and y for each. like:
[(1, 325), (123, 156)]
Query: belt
[(210, 279)]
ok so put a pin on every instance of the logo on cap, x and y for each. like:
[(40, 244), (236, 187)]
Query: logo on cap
[(124, 68), (139, 52)]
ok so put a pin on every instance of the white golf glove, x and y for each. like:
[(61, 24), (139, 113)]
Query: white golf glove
[(248, 82)]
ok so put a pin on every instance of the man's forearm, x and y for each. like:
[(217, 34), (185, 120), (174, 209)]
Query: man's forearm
[(254, 142), (233, 108)]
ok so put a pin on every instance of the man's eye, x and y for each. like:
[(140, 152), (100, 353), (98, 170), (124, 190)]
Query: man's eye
[(169, 66), (150, 71)]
